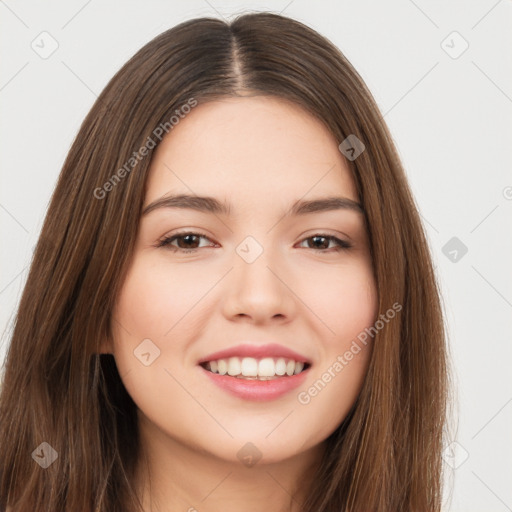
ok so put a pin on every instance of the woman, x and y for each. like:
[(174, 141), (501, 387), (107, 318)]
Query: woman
[(232, 302)]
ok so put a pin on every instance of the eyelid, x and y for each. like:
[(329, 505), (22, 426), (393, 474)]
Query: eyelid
[(341, 244), (327, 233), (168, 238)]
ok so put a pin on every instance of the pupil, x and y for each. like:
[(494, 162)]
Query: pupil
[(186, 239), (316, 238)]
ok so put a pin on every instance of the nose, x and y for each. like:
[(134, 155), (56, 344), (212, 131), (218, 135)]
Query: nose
[(258, 291)]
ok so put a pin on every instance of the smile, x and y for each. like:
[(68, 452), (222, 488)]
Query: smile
[(251, 368)]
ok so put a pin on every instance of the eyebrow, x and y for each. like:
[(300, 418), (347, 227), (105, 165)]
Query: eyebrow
[(212, 205)]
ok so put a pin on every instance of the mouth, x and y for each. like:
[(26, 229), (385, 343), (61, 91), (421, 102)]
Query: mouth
[(251, 368)]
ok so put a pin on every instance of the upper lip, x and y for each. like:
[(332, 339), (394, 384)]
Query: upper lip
[(257, 351)]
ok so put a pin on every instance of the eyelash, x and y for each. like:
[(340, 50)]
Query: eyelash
[(166, 241)]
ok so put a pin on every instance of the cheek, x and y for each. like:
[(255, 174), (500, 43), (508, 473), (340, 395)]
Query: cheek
[(161, 305), (154, 302), (346, 305), (345, 301), (153, 305)]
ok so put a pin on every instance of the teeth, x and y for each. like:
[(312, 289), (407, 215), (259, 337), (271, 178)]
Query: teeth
[(266, 367), (249, 367), (222, 366), (280, 366), (233, 366), (254, 369), (298, 368)]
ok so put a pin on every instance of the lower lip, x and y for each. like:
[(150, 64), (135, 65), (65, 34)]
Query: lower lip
[(257, 390)]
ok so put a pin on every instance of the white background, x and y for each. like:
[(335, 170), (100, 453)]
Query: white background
[(450, 117)]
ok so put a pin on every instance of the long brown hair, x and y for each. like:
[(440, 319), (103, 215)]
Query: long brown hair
[(57, 388)]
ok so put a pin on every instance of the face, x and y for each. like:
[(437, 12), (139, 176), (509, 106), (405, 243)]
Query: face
[(247, 282)]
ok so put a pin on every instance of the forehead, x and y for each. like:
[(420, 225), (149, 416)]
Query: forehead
[(250, 148)]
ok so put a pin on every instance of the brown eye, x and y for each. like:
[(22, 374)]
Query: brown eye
[(321, 243), (185, 242)]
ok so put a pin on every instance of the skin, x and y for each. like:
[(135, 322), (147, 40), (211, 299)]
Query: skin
[(260, 154)]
